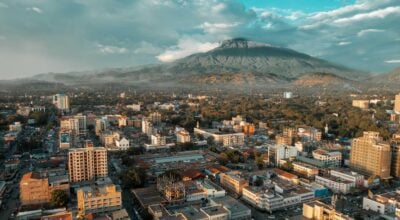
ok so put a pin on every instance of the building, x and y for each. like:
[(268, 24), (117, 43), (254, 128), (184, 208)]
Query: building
[(317, 210), (385, 204), (216, 212), (99, 198), (305, 169), (134, 107), (87, 163), (287, 95), (147, 127), (61, 101), (236, 210), (348, 175), (233, 181), (281, 196), (395, 163), (362, 104), (182, 136), (101, 125), (122, 144), (370, 155), (283, 152), (65, 139), (336, 184), (228, 139), (330, 159), (109, 138), (77, 124), (397, 103), (15, 127), (158, 140), (36, 187)]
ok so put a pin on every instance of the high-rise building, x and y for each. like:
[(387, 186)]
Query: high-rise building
[(61, 101), (397, 103), (87, 163), (370, 155), (76, 124), (395, 145)]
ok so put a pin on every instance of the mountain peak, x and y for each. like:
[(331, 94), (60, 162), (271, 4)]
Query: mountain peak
[(241, 43)]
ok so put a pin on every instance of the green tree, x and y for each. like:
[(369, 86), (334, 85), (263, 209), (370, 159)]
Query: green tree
[(59, 198), (133, 178)]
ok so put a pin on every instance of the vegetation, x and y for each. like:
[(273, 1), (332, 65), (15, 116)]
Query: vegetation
[(59, 198)]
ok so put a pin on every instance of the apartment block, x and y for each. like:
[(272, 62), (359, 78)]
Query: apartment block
[(87, 163), (99, 198), (370, 155)]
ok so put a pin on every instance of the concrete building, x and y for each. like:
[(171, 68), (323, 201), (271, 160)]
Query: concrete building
[(99, 198), (397, 103), (305, 169), (182, 136), (87, 163), (61, 101), (147, 127), (335, 184), (330, 159), (283, 152), (233, 181), (158, 140), (348, 175), (385, 204), (283, 195), (77, 124), (370, 155), (36, 187), (122, 144), (228, 139), (236, 210), (362, 104), (134, 107), (317, 210)]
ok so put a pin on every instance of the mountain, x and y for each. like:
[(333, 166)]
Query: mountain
[(320, 79), (393, 76), (236, 61)]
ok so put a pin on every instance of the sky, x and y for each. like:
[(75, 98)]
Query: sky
[(40, 36)]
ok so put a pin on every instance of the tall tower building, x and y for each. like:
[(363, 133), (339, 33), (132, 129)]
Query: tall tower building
[(397, 103), (87, 163), (370, 155), (61, 101)]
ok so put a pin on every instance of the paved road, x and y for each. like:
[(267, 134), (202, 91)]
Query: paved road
[(11, 203)]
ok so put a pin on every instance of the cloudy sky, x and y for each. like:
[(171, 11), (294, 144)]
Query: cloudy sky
[(38, 36)]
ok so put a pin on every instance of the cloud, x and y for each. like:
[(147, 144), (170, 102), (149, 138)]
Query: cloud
[(380, 13), (35, 9), (3, 5), (108, 49), (367, 31), (344, 43), (217, 27), (184, 48), (392, 61), (101, 34)]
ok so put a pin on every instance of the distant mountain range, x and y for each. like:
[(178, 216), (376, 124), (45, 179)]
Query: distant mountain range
[(237, 62)]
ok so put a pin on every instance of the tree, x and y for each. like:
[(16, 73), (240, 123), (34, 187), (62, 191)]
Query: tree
[(133, 178), (210, 141), (59, 198)]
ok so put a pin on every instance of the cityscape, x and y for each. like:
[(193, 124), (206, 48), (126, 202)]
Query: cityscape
[(225, 120)]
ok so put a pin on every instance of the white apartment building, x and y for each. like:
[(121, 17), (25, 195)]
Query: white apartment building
[(284, 152), (87, 163), (329, 158), (182, 136), (305, 169), (158, 140), (61, 101), (348, 175), (335, 184), (385, 204), (227, 139), (275, 199)]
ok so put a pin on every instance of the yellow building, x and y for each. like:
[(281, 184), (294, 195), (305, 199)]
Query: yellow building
[(397, 103), (317, 210), (233, 181), (99, 198), (87, 163), (34, 189), (362, 104), (370, 155)]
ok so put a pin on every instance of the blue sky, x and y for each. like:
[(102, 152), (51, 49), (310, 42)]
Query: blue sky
[(76, 35), (307, 6)]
